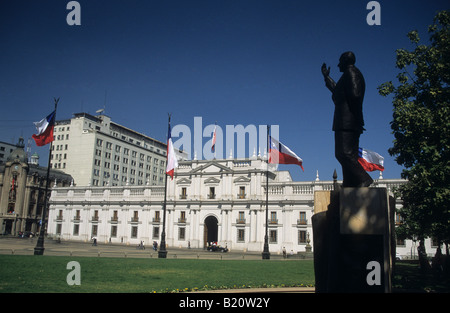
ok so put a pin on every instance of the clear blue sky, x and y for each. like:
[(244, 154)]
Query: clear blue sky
[(235, 62)]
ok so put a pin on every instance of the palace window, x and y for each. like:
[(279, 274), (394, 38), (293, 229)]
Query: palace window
[(181, 233), (212, 193), (157, 218), (95, 217), (135, 216), (182, 218), (241, 219), (302, 219), (155, 232), (134, 231), (183, 193), (240, 235), (58, 229), (241, 194), (273, 218), (113, 231), (94, 230), (272, 236), (400, 241), (301, 236)]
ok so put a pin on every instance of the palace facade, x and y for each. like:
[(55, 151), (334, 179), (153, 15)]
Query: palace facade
[(208, 200)]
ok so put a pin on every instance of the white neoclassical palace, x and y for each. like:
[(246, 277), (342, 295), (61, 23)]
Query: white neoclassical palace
[(208, 200)]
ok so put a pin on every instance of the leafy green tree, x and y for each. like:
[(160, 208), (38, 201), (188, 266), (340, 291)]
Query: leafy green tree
[(421, 127)]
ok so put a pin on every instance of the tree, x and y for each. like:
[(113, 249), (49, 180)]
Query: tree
[(421, 127)]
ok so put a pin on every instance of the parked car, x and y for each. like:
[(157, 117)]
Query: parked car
[(215, 248)]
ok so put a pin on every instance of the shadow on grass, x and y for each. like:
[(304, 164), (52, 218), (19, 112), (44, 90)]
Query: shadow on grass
[(410, 279)]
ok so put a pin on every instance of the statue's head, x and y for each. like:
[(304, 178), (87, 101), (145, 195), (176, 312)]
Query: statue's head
[(346, 59)]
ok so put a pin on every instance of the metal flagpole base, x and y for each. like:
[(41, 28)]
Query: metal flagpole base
[(162, 254), (266, 253), (39, 249)]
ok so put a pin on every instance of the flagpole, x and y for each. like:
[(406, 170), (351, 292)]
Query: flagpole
[(39, 249), (214, 134), (162, 253), (266, 253)]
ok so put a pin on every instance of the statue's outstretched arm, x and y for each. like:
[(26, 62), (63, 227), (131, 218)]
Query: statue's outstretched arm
[(329, 82)]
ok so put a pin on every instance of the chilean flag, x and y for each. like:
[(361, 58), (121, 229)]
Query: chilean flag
[(370, 161), (213, 143), (280, 154), (44, 130), (172, 162)]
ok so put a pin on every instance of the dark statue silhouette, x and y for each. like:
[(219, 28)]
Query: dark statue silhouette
[(348, 121)]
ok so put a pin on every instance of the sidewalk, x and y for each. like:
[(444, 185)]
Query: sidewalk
[(25, 246)]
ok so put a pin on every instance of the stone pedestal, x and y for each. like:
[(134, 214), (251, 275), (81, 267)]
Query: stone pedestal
[(322, 201), (353, 240)]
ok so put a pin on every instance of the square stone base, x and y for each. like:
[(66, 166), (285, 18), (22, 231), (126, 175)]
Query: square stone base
[(353, 237)]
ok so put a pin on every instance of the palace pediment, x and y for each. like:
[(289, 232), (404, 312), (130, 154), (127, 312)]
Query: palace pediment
[(184, 181), (212, 180), (242, 179), (211, 167)]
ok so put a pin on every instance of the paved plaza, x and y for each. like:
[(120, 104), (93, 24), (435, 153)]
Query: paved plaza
[(25, 246)]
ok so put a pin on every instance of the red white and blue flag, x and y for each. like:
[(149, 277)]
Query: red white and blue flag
[(44, 130), (172, 162), (370, 161), (213, 142), (280, 154)]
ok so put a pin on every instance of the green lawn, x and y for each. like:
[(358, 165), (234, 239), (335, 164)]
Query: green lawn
[(48, 274), (19, 273)]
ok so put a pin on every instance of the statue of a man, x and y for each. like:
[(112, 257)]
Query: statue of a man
[(348, 122)]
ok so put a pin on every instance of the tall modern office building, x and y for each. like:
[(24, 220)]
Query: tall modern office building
[(99, 152), (5, 150)]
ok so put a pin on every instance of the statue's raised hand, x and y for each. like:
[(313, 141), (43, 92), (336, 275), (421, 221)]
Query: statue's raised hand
[(325, 71)]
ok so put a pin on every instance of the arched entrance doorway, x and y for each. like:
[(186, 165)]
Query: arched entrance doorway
[(210, 232)]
